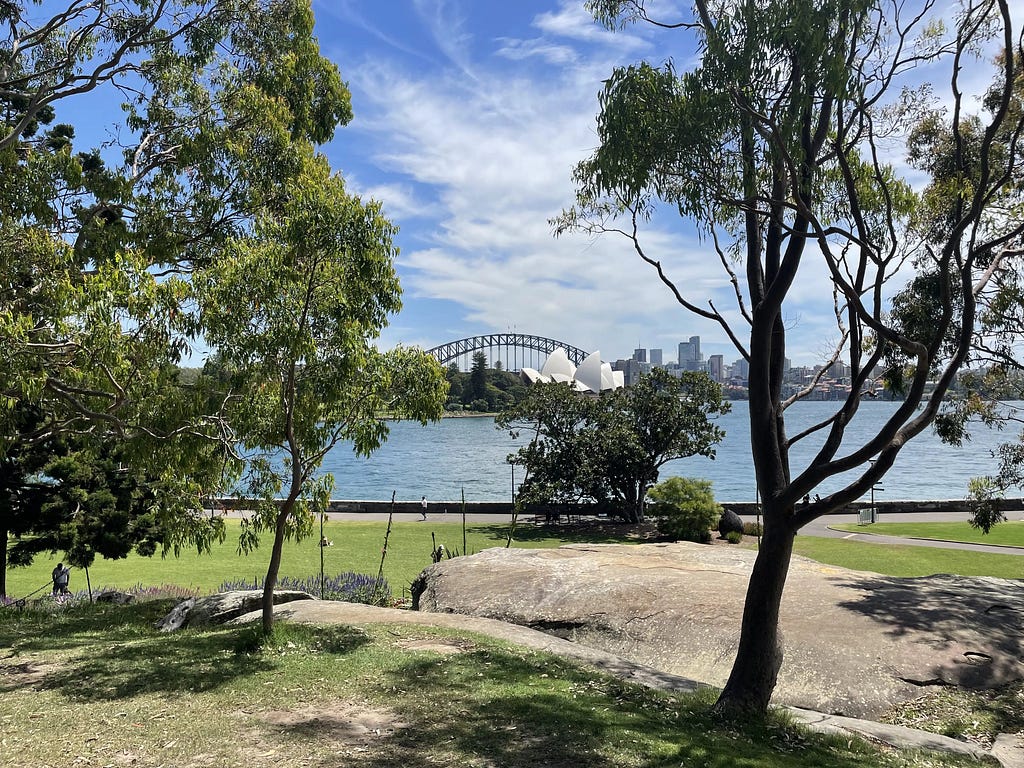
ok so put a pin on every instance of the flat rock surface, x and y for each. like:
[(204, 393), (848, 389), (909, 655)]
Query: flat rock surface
[(855, 642)]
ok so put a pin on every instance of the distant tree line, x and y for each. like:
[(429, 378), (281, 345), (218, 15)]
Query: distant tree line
[(483, 389)]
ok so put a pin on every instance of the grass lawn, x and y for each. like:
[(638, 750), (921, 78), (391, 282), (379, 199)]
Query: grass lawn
[(1010, 533), (97, 686), (357, 547), (895, 560)]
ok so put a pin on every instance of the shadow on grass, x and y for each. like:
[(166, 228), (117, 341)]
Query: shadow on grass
[(493, 707), (589, 532), (46, 626), (141, 661)]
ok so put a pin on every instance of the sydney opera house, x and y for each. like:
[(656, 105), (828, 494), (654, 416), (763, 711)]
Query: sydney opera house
[(591, 376)]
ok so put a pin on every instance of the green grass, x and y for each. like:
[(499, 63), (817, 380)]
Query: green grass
[(895, 560), (1010, 534), (96, 685), (357, 547)]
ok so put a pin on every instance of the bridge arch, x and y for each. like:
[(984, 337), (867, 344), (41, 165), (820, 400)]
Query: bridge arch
[(514, 350)]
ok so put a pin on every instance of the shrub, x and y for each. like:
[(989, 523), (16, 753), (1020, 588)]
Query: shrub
[(684, 509), (752, 529), (734, 537)]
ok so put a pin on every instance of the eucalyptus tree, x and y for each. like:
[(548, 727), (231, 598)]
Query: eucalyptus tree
[(292, 310), (221, 101), (775, 144)]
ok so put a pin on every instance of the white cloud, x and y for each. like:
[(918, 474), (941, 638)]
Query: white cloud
[(491, 146)]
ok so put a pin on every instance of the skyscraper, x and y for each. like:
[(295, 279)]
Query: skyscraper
[(640, 355), (656, 357), (716, 367), (687, 353)]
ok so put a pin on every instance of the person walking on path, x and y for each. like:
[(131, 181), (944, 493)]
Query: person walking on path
[(423, 508), (61, 575)]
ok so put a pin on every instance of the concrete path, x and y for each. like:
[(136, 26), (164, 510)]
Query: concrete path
[(823, 526)]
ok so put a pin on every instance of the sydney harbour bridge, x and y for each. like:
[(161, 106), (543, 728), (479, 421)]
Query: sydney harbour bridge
[(514, 350)]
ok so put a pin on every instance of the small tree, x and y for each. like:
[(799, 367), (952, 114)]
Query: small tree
[(478, 377), (609, 449), (291, 311)]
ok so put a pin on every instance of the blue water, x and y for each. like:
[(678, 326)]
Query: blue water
[(441, 460)]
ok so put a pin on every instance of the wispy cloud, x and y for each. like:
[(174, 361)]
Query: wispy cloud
[(491, 144)]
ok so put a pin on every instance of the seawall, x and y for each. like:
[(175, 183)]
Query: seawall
[(504, 508)]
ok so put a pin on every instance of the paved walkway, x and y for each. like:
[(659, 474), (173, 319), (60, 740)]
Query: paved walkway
[(823, 527)]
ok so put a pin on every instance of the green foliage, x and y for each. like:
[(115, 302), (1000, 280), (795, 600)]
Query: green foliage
[(292, 309), (734, 537), (684, 509), (983, 492), (484, 390), (772, 143), (752, 528), (478, 376), (609, 449), (102, 253)]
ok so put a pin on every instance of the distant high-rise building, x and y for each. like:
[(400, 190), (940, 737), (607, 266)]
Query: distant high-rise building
[(631, 370), (656, 357), (687, 353), (640, 355), (741, 368), (716, 367)]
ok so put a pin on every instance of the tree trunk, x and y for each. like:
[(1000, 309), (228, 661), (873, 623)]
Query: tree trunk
[(3, 562), (275, 566), (759, 656)]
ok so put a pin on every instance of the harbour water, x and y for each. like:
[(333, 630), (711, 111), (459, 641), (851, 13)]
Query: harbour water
[(441, 460)]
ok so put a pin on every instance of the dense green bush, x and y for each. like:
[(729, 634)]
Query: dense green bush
[(734, 537), (684, 509)]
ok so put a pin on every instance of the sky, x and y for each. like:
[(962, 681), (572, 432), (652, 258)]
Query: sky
[(470, 116), (469, 119)]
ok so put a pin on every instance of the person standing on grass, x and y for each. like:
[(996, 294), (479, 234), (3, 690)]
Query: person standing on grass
[(61, 575), (423, 508)]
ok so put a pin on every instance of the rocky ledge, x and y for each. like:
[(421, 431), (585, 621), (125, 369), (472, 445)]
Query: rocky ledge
[(855, 642)]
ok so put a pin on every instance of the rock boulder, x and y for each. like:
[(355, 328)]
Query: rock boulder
[(221, 608), (855, 642), (729, 522)]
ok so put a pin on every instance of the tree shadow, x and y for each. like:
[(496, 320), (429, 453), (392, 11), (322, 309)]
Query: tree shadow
[(518, 721), (146, 661), (50, 627), (582, 532), (982, 616)]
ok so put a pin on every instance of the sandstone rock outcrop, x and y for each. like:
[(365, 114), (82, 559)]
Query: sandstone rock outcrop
[(221, 608), (855, 642)]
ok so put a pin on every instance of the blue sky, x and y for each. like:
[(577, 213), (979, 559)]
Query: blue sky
[(469, 117)]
